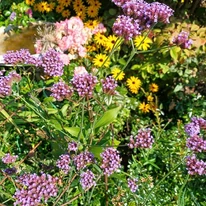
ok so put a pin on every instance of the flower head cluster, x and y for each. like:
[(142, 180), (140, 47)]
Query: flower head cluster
[(195, 166), (193, 128), (183, 40), (139, 15), (132, 184), (61, 91), (6, 83), (10, 171), (21, 56), (196, 144), (72, 146), (8, 158), (87, 179), (83, 159), (51, 63), (63, 163), (84, 84), (35, 188), (126, 27), (143, 139), (71, 35), (110, 161), (109, 85)]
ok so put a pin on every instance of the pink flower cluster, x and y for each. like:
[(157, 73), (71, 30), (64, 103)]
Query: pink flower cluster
[(71, 36)]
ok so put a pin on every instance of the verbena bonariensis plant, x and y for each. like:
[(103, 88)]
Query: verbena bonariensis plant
[(65, 113)]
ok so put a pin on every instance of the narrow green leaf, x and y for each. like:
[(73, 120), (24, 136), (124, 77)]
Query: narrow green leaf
[(108, 117), (64, 109)]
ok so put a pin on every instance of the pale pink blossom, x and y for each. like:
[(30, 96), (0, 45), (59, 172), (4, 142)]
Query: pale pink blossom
[(80, 70)]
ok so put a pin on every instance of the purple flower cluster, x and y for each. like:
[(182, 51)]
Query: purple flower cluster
[(10, 171), (110, 161), (126, 27), (35, 188), (143, 139), (84, 84), (21, 56), (132, 184), (63, 163), (196, 144), (6, 83), (87, 179), (72, 146), (8, 158), (51, 63), (183, 40), (109, 85), (61, 91), (195, 166), (83, 159), (139, 15)]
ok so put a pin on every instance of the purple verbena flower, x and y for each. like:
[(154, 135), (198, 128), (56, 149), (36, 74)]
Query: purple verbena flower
[(132, 184), (35, 188), (8, 158), (110, 161), (126, 27), (195, 166), (63, 163), (6, 83), (72, 146), (199, 121), (21, 56), (109, 85), (183, 40), (10, 171), (143, 139), (196, 144), (84, 84), (51, 63), (192, 129), (87, 179), (83, 159), (61, 91), (120, 2), (12, 16)]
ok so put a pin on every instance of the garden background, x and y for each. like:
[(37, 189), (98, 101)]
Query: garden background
[(103, 102)]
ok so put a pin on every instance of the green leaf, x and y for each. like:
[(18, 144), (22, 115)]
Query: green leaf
[(64, 109), (122, 61), (96, 150), (174, 53), (108, 117), (178, 88), (74, 131), (135, 67)]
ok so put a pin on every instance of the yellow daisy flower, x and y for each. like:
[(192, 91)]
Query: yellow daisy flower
[(134, 84), (77, 4), (42, 6), (96, 4), (101, 60), (117, 74), (100, 39), (59, 8), (92, 11), (50, 7), (66, 13), (91, 24), (65, 2), (142, 42), (30, 2), (145, 108), (111, 40), (153, 87), (150, 98), (81, 15)]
